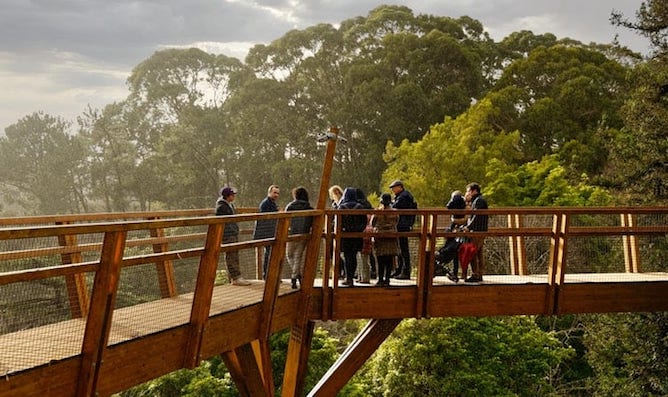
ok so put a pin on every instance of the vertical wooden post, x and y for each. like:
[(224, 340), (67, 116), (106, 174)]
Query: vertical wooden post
[(518, 264), (77, 292), (206, 278), (557, 265), (101, 311), (301, 333), (630, 245), (425, 259), (165, 268)]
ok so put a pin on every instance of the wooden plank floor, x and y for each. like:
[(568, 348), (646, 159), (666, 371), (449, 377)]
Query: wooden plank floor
[(31, 348), (38, 346)]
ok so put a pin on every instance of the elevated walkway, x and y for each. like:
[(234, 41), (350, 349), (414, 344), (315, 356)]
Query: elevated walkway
[(95, 304)]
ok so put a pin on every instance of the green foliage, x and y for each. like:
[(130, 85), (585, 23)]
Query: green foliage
[(543, 183), (451, 155), (466, 357), (628, 354), (45, 163)]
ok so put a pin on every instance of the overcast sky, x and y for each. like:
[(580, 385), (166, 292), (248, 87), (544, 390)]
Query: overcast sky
[(59, 56)]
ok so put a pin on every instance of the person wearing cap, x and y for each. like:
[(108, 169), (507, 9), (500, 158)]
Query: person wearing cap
[(476, 223), (266, 228), (224, 207), (385, 248), (403, 199)]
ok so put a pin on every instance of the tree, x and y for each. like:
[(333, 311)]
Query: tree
[(453, 154), (466, 357), (180, 95), (628, 354), (567, 98), (44, 162), (387, 76)]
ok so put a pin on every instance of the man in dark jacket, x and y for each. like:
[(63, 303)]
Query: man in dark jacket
[(224, 207), (403, 199), (267, 228), (476, 223), (351, 223)]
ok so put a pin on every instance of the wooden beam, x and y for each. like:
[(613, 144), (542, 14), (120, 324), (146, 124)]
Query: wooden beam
[(352, 359), (101, 311), (296, 364), (246, 374), (77, 292), (164, 267), (630, 245), (206, 278)]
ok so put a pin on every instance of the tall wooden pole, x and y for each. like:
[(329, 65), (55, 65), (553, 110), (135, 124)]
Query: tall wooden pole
[(301, 334)]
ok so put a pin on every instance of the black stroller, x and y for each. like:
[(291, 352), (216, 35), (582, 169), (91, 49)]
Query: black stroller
[(449, 252), (446, 254)]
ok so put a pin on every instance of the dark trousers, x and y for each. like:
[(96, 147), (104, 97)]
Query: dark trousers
[(385, 263), (405, 257), (265, 263), (350, 263)]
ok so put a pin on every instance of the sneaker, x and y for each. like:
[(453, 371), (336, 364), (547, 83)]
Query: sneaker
[(347, 282), (240, 281), (473, 279), (403, 277), (453, 278)]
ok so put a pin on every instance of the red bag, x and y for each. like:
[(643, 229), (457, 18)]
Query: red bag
[(465, 254)]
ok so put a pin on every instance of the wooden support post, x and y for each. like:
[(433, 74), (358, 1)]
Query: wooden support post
[(247, 376), (327, 269), (301, 333), (364, 345), (425, 263), (557, 266), (271, 289), (630, 245), (165, 268), (518, 264), (206, 278), (77, 292), (101, 311)]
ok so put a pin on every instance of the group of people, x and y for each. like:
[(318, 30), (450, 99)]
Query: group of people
[(378, 257), (451, 250), (266, 229)]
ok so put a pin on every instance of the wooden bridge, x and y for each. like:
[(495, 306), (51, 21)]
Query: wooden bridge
[(94, 304)]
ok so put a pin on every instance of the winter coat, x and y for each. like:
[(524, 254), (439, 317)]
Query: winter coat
[(385, 223), (266, 228), (301, 224), (223, 207)]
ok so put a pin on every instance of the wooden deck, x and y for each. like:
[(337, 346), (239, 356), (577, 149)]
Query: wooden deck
[(55, 342), (40, 346)]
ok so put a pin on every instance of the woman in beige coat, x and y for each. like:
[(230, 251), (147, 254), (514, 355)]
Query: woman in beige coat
[(385, 248)]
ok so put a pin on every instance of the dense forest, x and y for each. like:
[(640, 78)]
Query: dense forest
[(535, 119)]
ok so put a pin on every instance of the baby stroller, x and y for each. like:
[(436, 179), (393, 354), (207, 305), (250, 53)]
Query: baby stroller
[(446, 254), (449, 252)]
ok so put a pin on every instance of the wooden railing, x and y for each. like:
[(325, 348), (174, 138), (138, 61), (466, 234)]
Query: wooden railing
[(539, 261)]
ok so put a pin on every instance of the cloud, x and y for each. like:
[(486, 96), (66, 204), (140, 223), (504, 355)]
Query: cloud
[(61, 55)]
